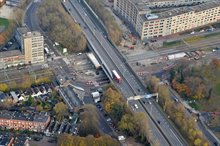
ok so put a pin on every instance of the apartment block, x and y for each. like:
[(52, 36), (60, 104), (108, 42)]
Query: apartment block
[(172, 3), (150, 24), (178, 20), (130, 9), (32, 45), (24, 121)]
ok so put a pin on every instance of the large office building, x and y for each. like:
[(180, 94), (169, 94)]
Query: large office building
[(131, 9), (32, 45), (32, 49), (150, 25)]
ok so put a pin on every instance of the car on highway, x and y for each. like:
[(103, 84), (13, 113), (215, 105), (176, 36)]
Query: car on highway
[(149, 102)]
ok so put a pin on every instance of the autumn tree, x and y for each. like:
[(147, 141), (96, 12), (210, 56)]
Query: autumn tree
[(135, 125), (60, 26), (177, 113), (89, 121), (7, 103), (61, 110), (114, 104), (45, 79), (68, 140), (4, 87), (108, 19), (216, 63), (153, 84), (26, 82)]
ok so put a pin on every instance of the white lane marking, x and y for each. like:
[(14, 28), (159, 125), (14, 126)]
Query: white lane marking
[(176, 137)]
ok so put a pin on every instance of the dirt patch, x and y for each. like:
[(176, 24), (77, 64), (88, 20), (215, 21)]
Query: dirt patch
[(7, 12)]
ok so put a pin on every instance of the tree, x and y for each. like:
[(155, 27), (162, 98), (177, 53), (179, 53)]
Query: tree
[(39, 108), (43, 80), (215, 63), (68, 140), (61, 110), (117, 111), (153, 84), (4, 87), (197, 142), (26, 82), (30, 102), (135, 125), (61, 27), (177, 112), (200, 92), (89, 121), (6, 103), (111, 97), (108, 19)]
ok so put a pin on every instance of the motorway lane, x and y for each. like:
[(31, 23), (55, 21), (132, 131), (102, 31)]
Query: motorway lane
[(127, 93), (164, 124), (130, 78), (156, 135), (106, 50), (127, 75), (91, 38)]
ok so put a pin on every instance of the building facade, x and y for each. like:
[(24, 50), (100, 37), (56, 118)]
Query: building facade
[(24, 121), (32, 49), (178, 20), (130, 9), (172, 3), (151, 25), (32, 45), (11, 58)]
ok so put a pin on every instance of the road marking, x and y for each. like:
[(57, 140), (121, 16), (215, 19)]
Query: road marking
[(176, 137)]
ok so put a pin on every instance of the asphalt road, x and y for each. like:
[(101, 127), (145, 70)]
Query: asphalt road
[(214, 141), (130, 86), (31, 21), (58, 65), (208, 43)]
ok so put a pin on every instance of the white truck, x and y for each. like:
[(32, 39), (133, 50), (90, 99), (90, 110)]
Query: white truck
[(96, 96)]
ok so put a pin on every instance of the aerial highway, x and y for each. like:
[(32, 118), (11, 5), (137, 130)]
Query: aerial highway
[(130, 86)]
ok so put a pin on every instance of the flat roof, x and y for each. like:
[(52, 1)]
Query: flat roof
[(10, 53), (22, 30), (25, 32), (186, 9), (140, 5)]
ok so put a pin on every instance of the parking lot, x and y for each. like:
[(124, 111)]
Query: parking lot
[(10, 45)]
